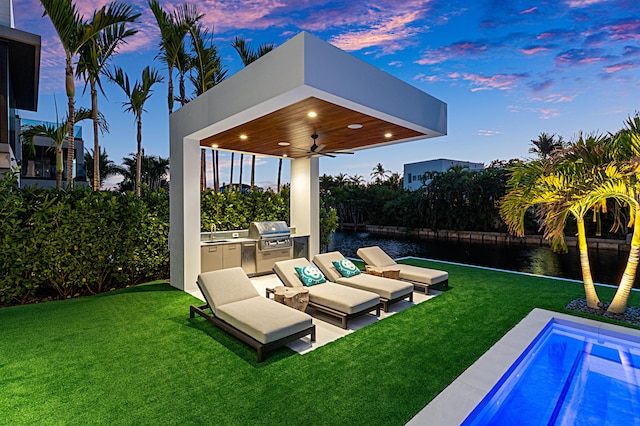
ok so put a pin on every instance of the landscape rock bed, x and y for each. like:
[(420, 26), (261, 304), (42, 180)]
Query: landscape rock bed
[(631, 314)]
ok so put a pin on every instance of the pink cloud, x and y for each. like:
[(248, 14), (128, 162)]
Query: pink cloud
[(546, 113), (489, 133), (530, 10), (584, 3), (453, 51), (534, 50), (481, 82), (622, 66), (391, 35), (555, 98)]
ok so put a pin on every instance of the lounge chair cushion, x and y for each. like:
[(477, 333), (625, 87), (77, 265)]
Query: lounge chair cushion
[(342, 298), (263, 319), (310, 275), (225, 286), (386, 288), (421, 275), (375, 256), (346, 268), (335, 296)]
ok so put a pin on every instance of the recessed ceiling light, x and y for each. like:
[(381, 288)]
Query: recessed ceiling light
[(388, 135), (214, 146), (284, 155), (355, 126), (243, 137), (283, 143), (312, 114)]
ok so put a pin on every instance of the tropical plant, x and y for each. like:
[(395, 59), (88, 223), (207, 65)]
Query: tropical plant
[(74, 33), (153, 174), (173, 29), (94, 57), (57, 133), (248, 55), (546, 145), (106, 169), (136, 95), (379, 174), (207, 69)]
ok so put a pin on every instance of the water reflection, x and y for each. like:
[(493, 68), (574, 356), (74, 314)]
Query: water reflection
[(607, 266)]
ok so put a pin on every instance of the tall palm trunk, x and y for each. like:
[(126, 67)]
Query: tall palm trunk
[(253, 171), (203, 170), (70, 86), (619, 302), (213, 171), (59, 165), (231, 175), (279, 173), (589, 289), (216, 174), (241, 164), (170, 90), (139, 158), (96, 145)]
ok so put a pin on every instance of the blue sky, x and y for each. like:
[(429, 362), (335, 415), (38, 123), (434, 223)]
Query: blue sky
[(508, 70)]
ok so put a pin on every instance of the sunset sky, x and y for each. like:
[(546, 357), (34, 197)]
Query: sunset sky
[(508, 70)]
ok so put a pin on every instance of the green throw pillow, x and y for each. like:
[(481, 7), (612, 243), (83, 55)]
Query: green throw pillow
[(346, 268), (310, 275)]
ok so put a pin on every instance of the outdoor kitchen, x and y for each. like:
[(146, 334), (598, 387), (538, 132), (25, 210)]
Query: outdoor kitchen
[(255, 250)]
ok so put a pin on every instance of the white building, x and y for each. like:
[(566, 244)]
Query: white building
[(414, 172)]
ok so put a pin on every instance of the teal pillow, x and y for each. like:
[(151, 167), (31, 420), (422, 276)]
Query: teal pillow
[(346, 268), (310, 275)]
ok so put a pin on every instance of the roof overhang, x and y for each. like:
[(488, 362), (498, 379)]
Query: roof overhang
[(267, 103), (24, 66)]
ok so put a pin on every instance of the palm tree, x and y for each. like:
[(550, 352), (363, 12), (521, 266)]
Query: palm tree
[(248, 55), (207, 69), (379, 174), (535, 185), (279, 173), (356, 180), (74, 32), (106, 169), (546, 145), (173, 29), (93, 60), (153, 172), (136, 95), (57, 133), (231, 173), (241, 164)]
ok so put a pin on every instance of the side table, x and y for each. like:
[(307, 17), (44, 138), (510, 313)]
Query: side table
[(296, 298), (382, 272)]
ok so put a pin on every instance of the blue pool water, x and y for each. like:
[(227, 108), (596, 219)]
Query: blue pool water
[(571, 374)]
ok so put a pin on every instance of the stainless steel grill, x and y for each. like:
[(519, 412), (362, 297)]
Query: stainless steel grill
[(270, 235)]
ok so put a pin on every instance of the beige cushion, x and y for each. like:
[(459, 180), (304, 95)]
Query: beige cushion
[(421, 275), (342, 298), (375, 256), (263, 319), (286, 271), (325, 263), (225, 286), (387, 288), (335, 296)]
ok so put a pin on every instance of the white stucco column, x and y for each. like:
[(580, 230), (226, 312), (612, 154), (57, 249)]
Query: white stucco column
[(184, 212), (305, 200)]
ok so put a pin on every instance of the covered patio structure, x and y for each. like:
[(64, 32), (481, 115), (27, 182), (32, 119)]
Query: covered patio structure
[(264, 110)]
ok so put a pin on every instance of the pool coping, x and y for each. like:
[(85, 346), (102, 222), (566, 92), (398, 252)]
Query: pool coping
[(455, 403)]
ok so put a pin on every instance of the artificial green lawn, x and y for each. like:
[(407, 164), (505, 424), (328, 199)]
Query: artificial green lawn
[(133, 356)]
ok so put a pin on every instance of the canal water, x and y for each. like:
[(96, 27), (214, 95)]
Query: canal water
[(607, 266)]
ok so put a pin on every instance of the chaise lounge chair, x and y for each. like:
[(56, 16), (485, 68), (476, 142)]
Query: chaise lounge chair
[(330, 298), (389, 290), (238, 309), (420, 277)]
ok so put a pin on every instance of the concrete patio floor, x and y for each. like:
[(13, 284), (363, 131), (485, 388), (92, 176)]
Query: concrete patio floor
[(327, 327)]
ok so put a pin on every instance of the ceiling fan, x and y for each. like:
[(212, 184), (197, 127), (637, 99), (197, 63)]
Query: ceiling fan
[(316, 149)]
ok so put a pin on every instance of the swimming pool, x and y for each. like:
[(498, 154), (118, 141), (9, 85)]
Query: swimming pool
[(570, 374)]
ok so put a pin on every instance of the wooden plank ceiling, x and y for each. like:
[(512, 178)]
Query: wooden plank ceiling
[(293, 125)]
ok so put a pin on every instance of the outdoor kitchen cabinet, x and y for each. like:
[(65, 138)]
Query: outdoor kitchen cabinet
[(220, 256), (266, 259)]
